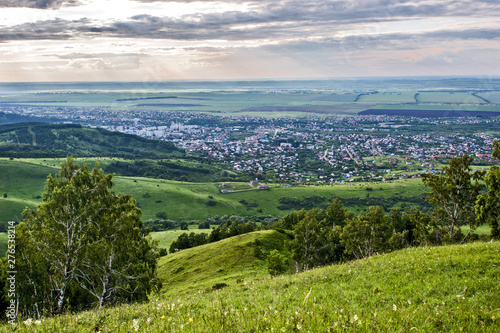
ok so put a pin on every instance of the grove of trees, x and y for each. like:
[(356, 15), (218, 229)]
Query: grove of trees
[(83, 247)]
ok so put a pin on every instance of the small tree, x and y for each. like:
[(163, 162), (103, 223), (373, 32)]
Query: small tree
[(184, 225), (277, 263), (454, 193)]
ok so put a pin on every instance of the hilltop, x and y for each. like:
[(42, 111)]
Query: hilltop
[(33, 139), (446, 289), (226, 262)]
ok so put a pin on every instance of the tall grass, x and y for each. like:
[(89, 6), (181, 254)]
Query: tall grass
[(444, 289)]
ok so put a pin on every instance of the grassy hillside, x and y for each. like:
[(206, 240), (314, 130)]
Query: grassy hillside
[(24, 182), (444, 289), (165, 238), (55, 140), (230, 261)]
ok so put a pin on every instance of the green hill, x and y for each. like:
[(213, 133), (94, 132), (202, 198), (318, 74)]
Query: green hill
[(32, 139), (442, 289), (236, 259)]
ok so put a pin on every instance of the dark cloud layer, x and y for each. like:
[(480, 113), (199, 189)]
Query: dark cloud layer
[(42, 4)]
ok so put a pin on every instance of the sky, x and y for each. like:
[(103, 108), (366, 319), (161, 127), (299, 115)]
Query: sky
[(159, 40)]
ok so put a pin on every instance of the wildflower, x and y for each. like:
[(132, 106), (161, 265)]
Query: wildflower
[(38, 322), (355, 317), (135, 324), (163, 317), (28, 321), (299, 327), (394, 307), (158, 307), (190, 320)]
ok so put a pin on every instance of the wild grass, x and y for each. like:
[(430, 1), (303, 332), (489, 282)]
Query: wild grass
[(442, 289)]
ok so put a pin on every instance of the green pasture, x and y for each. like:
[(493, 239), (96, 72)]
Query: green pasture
[(165, 238), (448, 97), (389, 97), (427, 289), (23, 181)]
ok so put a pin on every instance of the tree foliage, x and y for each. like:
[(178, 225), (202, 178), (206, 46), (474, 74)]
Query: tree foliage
[(83, 246), (488, 204), (454, 193), (277, 263), (368, 233)]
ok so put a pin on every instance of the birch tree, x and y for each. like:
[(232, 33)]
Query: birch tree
[(454, 192), (91, 239)]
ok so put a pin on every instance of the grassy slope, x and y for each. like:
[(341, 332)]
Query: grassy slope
[(444, 289), (186, 201), (165, 238), (22, 183), (231, 260)]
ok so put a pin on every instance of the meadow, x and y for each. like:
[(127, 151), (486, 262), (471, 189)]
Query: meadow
[(24, 182), (427, 289), (167, 237)]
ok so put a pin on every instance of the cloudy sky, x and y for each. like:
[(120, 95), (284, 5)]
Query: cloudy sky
[(148, 40)]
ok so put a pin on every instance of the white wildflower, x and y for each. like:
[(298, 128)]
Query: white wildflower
[(135, 324), (394, 307), (28, 322)]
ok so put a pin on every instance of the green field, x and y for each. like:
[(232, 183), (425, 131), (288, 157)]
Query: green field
[(442, 289), (24, 181), (448, 97), (388, 97), (244, 102), (165, 238)]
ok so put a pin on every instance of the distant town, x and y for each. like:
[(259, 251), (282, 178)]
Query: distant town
[(312, 149)]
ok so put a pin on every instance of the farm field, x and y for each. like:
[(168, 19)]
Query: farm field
[(388, 97), (448, 97), (491, 96), (449, 288), (249, 102)]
